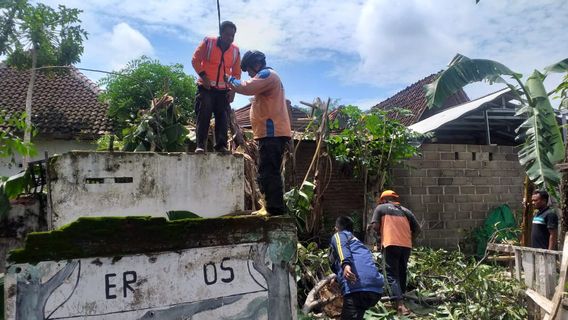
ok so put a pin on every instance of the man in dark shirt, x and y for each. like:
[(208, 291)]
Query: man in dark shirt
[(544, 233)]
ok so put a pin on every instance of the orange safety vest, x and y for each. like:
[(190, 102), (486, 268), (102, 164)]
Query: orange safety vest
[(208, 58)]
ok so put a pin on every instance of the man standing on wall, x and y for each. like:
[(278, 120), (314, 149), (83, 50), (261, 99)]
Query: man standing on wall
[(214, 58), (544, 234), (397, 227), (270, 125), (361, 282)]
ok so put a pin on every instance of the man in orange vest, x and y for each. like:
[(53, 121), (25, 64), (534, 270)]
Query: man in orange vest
[(270, 125), (397, 227), (215, 58)]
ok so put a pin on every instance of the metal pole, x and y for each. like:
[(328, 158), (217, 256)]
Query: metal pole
[(49, 212), (486, 114)]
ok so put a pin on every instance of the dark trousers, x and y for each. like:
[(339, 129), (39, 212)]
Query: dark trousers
[(355, 304), (270, 150), (207, 103), (396, 259)]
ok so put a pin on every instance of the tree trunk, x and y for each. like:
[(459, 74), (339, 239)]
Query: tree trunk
[(28, 132), (527, 213)]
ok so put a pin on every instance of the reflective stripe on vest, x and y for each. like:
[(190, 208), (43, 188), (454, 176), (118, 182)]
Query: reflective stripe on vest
[(209, 48), (235, 54)]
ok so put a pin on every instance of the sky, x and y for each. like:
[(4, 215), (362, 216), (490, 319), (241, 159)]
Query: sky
[(356, 52)]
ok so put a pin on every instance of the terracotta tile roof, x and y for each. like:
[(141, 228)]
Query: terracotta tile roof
[(300, 119), (413, 98), (64, 104)]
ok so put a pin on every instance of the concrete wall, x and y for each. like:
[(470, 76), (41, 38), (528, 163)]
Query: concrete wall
[(452, 188), (87, 184), (245, 271), (52, 146)]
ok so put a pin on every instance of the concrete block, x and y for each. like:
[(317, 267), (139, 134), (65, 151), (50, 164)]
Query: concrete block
[(90, 184), (472, 173), (445, 147), (461, 198), (506, 149), (418, 172), (473, 148), (460, 215), (448, 217), (436, 225), (434, 208), (430, 199), (434, 173), (417, 190), (447, 156), (462, 180), (459, 147), (452, 173), (429, 181), (473, 164), (445, 181), (482, 190), (445, 164), (489, 149), (451, 190), (460, 163), (490, 198), (451, 207), (512, 157), (464, 156), (467, 189), (431, 155), (435, 190), (466, 207)]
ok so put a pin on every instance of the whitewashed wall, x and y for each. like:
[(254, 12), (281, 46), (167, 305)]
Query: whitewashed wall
[(86, 184), (52, 146)]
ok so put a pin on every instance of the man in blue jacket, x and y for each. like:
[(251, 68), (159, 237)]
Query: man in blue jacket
[(353, 263)]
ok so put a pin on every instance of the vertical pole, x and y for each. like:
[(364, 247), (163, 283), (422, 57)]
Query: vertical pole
[(488, 133), (49, 212)]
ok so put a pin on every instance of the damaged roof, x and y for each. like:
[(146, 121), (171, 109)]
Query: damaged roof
[(413, 98), (300, 119), (65, 104)]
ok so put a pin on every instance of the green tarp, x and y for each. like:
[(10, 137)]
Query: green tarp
[(500, 221)]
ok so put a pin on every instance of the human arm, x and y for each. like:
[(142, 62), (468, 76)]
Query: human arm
[(260, 83), (552, 239), (196, 61), (339, 244), (552, 225)]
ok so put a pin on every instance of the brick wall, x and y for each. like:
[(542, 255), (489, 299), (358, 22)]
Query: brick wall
[(451, 188), (344, 194)]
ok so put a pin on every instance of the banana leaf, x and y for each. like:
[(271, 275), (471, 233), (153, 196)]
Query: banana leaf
[(461, 72), (543, 146), (561, 66)]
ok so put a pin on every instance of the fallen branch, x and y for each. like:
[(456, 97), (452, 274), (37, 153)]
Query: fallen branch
[(311, 301)]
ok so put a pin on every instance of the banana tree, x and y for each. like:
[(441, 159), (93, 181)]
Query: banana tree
[(542, 145)]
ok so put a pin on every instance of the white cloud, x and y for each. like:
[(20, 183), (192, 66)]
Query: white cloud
[(112, 50), (381, 42)]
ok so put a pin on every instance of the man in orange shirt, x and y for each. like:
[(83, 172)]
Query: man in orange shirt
[(213, 60), (397, 227), (270, 125)]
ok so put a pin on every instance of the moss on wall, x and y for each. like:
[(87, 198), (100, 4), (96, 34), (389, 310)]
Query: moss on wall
[(117, 236)]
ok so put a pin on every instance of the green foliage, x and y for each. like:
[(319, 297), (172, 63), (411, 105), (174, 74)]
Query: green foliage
[(311, 267), (103, 143), (371, 141), (469, 290), (542, 146), (299, 203), (10, 143), (562, 89), (55, 36), (138, 83), (11, 188)]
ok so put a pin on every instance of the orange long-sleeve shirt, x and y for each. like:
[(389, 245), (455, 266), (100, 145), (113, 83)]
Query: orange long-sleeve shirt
[(268, 112)]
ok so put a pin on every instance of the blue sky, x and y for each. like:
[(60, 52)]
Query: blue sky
[(360, 52)]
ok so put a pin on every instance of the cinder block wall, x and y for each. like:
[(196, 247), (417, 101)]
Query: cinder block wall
[(451, 188)]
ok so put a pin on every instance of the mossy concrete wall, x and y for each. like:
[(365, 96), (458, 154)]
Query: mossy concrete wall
[(150, 268), (88, 184)]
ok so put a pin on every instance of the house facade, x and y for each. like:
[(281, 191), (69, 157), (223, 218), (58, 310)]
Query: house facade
[(66, 112)]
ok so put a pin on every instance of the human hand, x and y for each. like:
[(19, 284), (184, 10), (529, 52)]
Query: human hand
[(206, 83), (231, 96), (348, 274)]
